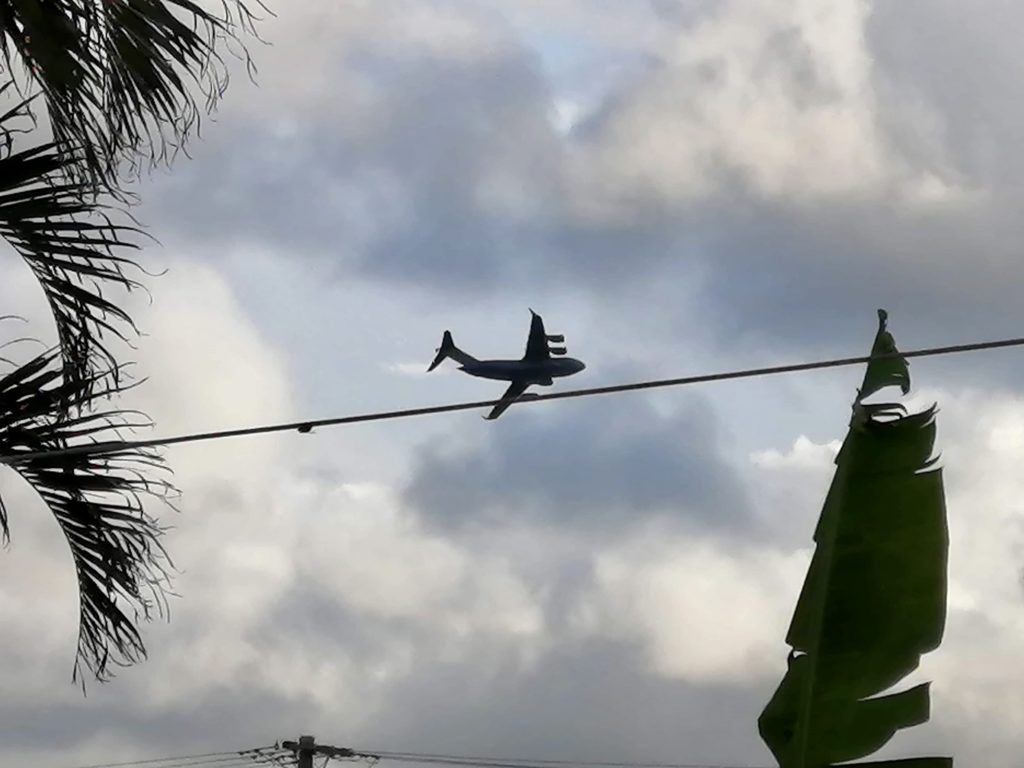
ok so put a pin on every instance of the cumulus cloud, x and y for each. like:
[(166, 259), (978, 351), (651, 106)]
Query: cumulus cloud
[(423, 161), (773, 99), (339, 608), (677, 598), (211, 365), (610, 578), (789, 488), (781, 165)]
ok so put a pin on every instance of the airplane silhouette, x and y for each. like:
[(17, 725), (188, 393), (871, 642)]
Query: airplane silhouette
[(537, 366)]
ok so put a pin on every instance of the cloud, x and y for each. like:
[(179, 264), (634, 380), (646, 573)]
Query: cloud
[(310, 602), (596, 467), (671, 598), (963, 71), (425, 167), (586, 700), (608, 578), (429, 163), (789, 487), (784, 192), (208, 365), (772, 101)]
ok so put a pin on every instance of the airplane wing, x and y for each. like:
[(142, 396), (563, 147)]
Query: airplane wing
[(537, 344), (514, 391)]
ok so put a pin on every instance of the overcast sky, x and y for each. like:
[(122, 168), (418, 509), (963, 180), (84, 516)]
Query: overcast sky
[(678, 187)]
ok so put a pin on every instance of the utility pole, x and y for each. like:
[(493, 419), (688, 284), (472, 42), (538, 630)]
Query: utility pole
[(306, 747), (305, 752)]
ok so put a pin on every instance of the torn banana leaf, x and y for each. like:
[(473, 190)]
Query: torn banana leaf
[(874, 599), (889, 368)]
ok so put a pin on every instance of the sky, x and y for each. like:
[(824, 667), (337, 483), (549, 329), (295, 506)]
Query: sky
[(678, 187)]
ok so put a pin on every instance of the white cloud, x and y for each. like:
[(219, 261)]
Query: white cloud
[(307, 58), (776, 97), (702, 614), (209, 367), (805, 454)]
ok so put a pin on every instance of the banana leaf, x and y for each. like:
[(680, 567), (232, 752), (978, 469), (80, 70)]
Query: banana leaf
[(873, 600), (889, 367)]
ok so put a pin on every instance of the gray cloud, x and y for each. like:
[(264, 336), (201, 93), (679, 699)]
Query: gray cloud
[(444, 173), (449, 176), (48, 728), (594, 466), (964, 64), (587, 699), (581, 696)]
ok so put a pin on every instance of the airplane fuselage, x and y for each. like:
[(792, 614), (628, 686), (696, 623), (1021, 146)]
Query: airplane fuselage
[(539, 372), (541, 364)]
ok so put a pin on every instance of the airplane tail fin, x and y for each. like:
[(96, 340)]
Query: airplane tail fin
[(447, 345), (448, 349)]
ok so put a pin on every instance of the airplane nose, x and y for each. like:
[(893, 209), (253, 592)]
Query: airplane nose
[(580, 365)]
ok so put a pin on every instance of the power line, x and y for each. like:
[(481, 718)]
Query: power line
[(252, 761), (516, 761), (310, 747), (221, 762), (218, 759), (496, 762), (232, 761), (113, 446)]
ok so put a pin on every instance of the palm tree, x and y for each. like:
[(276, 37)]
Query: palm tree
[(108, 85)]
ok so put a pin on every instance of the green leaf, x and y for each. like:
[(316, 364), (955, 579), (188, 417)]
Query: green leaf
[(891, 369), (873, 600)]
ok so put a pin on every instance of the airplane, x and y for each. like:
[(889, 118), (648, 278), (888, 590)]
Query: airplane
[(537, 366)]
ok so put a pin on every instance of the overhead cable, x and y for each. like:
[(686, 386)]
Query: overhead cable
[(114, 446), (216, 759), (498, 762), (515, 761)]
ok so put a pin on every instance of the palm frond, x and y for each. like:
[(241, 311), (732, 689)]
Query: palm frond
[(72, 246), (121, 566), (120, 77)]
